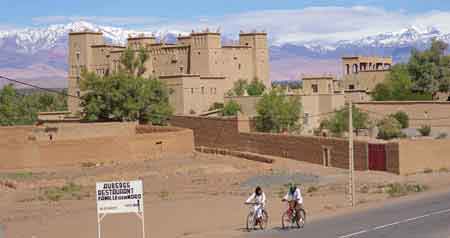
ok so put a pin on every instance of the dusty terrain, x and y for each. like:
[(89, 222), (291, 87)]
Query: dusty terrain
[(195, 195)]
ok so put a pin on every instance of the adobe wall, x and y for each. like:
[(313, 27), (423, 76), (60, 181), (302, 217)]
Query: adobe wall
[(420, 154), (418, 110), (76, 131), (224, 133), (147, 144)]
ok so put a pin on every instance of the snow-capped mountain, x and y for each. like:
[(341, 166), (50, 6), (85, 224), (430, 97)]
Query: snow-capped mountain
[(32, 40), (24, 50)]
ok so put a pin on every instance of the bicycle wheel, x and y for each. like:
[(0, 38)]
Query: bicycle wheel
[(264, 220), (285, 220), (301, 218), (250, 222)]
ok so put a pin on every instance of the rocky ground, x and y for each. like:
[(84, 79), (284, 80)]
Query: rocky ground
[(194, 195)]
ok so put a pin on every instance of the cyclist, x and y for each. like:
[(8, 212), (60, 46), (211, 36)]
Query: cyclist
[(294, 195), (258, 198)]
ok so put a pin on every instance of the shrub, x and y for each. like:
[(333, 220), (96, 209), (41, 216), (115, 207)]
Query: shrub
[(255, 88), (68, 191), (231, 108), (215, 106), (442, 135), (398, 189), (389, 128), (312, 189), (425, 130), (403, 118)]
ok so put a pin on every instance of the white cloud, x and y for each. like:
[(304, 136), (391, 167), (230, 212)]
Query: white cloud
[(307, 24), (111, 20)]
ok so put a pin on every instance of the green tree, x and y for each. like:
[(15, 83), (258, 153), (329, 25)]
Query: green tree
[(231, 108), (133, 61), (255, 88), (19, 109), (389, 128), (337, 124), (9, 106), (425, 130), (125, 97), (429, 69), (398, 86), (277, 112), (239, 88), (401, 117)]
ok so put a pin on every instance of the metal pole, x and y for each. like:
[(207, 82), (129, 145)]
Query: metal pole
[(99, 234), (143, 224), (351, 156)]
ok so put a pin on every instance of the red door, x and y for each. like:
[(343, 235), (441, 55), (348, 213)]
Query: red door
[(377, 157)]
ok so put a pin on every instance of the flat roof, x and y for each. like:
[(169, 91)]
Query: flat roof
[(253, 33), (205, 33), (108, 46), (236, 46), (179, 76), (141, 38), (85, 33)]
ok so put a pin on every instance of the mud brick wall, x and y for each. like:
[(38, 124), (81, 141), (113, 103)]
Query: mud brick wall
[(224, 133), (392, 157)]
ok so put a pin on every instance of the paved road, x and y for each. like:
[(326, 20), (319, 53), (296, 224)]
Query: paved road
[(422, 218)]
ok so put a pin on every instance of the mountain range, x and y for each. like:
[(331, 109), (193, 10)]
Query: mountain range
[(38, 55)]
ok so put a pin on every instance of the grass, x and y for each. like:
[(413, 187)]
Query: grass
[(164, 195), (427, 171), (444, 170), (364, 189), (88, 164), (67, 192), (18, 175), (398, 189), (312, 189)]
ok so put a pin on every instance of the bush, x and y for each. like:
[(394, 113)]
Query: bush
[(68, 191), (231, 108), (402, 117), (277, 112), (425, 130), (338, 123), (389, 128), (215, 106), (255, 88), (398, 189), (442, 135)]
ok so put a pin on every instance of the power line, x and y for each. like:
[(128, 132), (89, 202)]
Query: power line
[(37, 87)]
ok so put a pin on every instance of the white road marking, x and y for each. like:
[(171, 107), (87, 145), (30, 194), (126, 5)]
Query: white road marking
[(394, 223)]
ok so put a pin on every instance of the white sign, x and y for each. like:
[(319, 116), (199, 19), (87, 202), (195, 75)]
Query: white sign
[(120, 197)]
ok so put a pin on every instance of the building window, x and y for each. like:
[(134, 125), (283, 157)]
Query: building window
[(192, 90), (181, 69), (315, 88), (203, 90), (351, 86), (235, 58), (211, 90), (239, 66), (198, 53)]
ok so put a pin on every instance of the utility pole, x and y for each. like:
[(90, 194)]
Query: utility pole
[(351, 187)]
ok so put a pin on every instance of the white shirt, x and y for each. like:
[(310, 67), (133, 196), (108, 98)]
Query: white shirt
[(261, 199), (297, 196)]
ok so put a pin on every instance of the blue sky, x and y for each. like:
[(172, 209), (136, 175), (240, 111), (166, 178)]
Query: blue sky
[(21, 12), (291, 20)]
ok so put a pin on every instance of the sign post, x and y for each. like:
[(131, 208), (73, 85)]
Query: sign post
[(120, 197)]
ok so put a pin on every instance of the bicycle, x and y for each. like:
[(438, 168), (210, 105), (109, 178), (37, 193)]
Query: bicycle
[(290, 218), (253, 222)]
